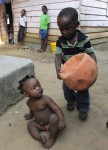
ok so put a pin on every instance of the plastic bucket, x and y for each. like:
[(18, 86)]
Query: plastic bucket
[(53, 46)]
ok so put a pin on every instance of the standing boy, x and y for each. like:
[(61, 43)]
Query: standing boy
[(44, 27), (22, 28), (72, 42)]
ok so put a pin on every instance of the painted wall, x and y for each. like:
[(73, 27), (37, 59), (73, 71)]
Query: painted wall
[(94, 19), (33, 9), (93, 16)]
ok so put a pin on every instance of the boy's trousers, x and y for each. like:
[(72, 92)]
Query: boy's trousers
[(82, 98)]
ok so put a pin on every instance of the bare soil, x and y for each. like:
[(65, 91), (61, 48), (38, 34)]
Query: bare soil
[(89, 135)]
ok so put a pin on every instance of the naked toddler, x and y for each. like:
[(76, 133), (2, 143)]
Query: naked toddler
[(47, 114)]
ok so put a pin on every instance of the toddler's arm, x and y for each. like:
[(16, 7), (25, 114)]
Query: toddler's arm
[(29, 116)]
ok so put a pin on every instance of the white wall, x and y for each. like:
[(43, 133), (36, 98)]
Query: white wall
[(94, 19), (94, 13), (33, 8)]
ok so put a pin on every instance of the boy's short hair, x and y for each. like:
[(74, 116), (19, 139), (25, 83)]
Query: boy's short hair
[(24, 11), (44, 6), (69, 12)]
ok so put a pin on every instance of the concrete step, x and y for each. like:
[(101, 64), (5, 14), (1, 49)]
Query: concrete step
[(12, 69)]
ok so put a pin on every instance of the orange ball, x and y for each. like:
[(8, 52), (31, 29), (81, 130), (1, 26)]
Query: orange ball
[(79, 72)]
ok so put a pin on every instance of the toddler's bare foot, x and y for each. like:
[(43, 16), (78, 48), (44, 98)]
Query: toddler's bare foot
[(42, 139), (49, 143)]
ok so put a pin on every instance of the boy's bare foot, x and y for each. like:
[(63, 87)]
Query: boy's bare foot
[(19, 46), (41, 50), (49, 143)]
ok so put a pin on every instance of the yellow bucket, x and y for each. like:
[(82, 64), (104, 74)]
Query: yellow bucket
[(53, 46)]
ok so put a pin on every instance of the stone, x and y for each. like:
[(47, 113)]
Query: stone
[(12, 69)]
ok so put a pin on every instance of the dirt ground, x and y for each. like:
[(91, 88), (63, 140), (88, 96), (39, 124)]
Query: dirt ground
[(89, 135)]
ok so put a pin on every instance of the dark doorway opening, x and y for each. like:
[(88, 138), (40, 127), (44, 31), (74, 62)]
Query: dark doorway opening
[(9, 22)]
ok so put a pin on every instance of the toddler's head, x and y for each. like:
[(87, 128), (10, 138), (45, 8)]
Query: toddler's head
[(30, 86)]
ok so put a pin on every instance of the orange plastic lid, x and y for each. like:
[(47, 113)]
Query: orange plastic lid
[(79, 72)]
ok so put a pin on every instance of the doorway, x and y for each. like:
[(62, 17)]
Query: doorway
[(9, 22)]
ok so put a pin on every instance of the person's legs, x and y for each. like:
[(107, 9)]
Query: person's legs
[(43, 41), (21, 35), (53, 131), (70, 97), (41, 49), (82, 103), (35, 132), (21, 44), (45, 44)]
